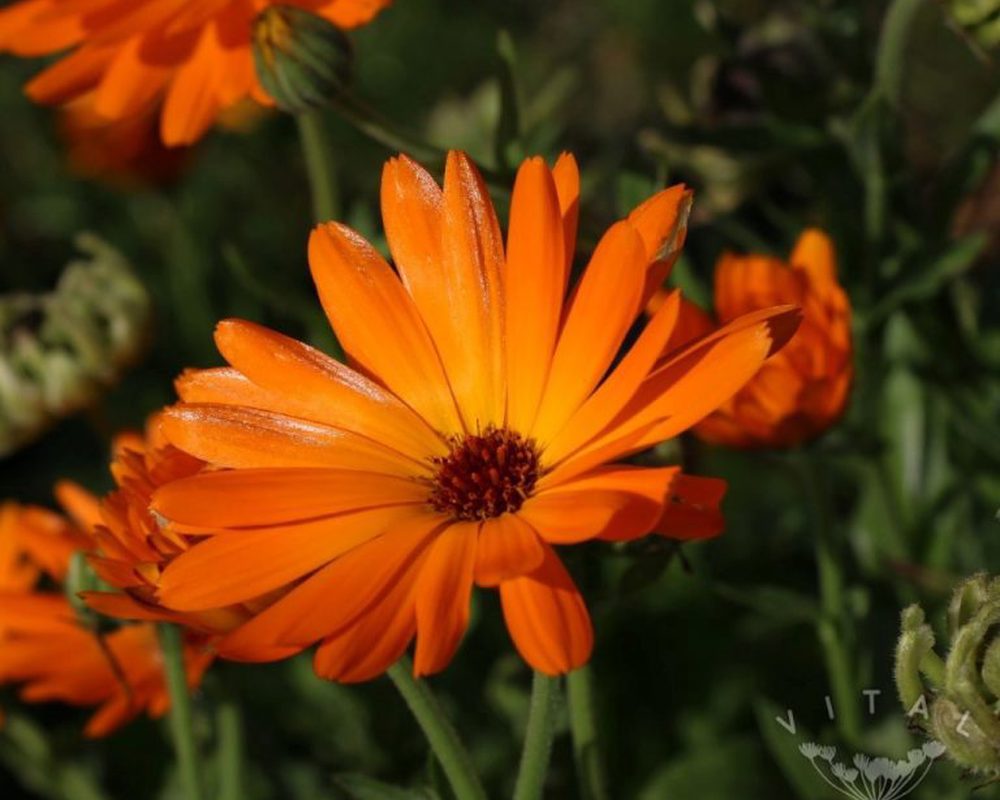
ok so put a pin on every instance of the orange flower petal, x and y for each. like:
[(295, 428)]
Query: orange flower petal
[(696, 381), (814, 254), (132, 80), (259, 561), (693, 510), (468, 319), (343, 589), (618, 388), (376, 641), (232, 436), (443, 592), (378, 324), (614, 502), (192, 102), (566, 175), (535, 284), (609, 291), (662, 223), (74, 75), (259, 497), (83, 506), (330, 392), (547, 619), (508, 547)]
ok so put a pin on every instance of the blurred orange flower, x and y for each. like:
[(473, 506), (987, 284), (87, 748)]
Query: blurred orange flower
[(479, 427), (192, 57), (123, 154), (48, 649), (804, 389)]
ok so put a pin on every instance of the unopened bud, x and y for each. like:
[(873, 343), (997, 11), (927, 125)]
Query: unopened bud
[(303, 61)]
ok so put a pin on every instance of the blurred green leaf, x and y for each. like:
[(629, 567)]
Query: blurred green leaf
[(507, 146), (926, 280), (731, 768), (893, 46), (783, 747), (360, 787)]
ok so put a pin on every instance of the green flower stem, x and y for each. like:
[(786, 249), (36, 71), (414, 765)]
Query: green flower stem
[(229, 722), (833, 623), (583, 725), (319, 165), (180, 711), (380, 130), (538, 738), (439, 731)]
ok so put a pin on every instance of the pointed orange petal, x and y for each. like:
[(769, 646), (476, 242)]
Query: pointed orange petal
[(508, 547), (693, 510), (192, 101), (744, 284), (378, 324), (259, 497), (232, 436), (619, 387), (83, 506), (566, 174), (377, 640), (336, 395), (609, 291), (412, 211), (618, 503), (662, 223), (535, 284), (815, 255), (468, 322), (234, 567), (132, 81), (694, 382), (70, 77), (547, 619), (334, 597), (444, 590)]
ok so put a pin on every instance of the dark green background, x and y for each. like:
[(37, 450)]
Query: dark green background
[(877, 121)]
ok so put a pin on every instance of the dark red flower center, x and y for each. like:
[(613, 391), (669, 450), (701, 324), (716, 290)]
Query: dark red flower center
[(485, 475)]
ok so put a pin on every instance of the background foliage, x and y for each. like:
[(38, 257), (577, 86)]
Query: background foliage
[(879, 121)]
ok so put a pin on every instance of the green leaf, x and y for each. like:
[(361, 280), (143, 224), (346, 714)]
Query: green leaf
[(508, 149), (925, 280), (730, 769), (784, 749), (774, 602), (890, 59), (361, 787)]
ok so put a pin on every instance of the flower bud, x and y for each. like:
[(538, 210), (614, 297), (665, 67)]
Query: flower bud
[(303, 61), (60, 350), (956, 699)]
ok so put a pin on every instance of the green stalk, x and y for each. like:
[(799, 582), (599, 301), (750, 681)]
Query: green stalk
[(180, 711), (833, 622), (538, 738), (370, 123), (319, 165), (439, 731), (230, 732), (583, 725)]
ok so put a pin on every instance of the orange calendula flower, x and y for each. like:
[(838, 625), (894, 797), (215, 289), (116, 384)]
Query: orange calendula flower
[(54, 655), (124, 154), (131, 546), (480, 426), (804, 389), (191, 57)]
